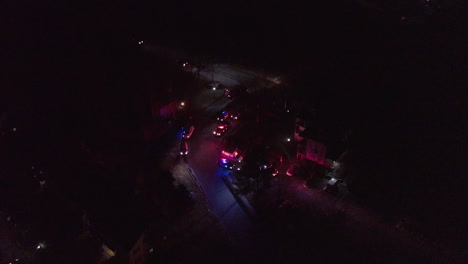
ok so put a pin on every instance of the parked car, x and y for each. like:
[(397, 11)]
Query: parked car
[(183, 148), (268, 169), (223, 124), (224, 115), (188, 132), (221, 127), (235, 115), (271, 171), (333, 189), (219, 131), (228, 164), (292, 170)]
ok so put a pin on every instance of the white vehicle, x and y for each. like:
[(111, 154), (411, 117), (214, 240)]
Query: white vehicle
[(235, 115)]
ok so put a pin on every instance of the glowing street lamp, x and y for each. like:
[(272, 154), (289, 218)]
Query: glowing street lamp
[(288, 139), (41, 245)]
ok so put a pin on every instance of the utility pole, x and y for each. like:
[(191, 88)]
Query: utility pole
[(212, 72), (197, 76), (285, 98)]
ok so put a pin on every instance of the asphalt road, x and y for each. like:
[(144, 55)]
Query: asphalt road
[(226, 75), (204, 151)]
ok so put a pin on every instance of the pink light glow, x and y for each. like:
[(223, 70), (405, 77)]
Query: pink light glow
[(228, 154)]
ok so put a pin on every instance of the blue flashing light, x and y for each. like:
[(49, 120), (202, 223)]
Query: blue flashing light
[(224, 161), (224, 112), (180, 135)]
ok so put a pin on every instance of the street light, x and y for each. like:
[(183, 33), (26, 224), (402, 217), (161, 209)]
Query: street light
[(41, 245), (212, 72), (288, 139)]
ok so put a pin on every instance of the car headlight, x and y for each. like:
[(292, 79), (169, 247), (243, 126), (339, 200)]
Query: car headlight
[(186, 152), (214, 132), (181, 153)]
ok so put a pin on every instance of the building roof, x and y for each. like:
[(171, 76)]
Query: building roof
[(308, 115), (322, 133), (335, 150), (331, 136)]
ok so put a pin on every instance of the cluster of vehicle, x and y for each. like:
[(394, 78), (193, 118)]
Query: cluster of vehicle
[(223, 123), (221, 128), (230, 159), (228, 164)]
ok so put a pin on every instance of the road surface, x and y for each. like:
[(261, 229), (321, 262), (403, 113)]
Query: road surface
[(204, 151), (226, 75)]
